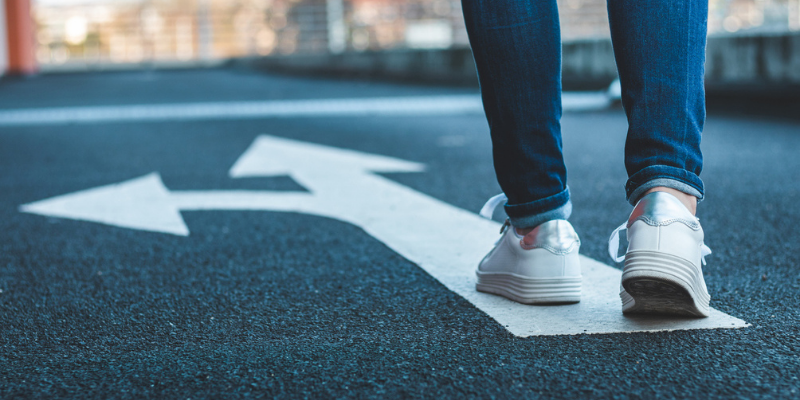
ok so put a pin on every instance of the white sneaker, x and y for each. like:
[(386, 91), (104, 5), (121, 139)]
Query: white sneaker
[(546, 270), (662, 273)]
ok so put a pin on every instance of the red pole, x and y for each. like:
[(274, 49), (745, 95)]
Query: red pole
[(21, 38)]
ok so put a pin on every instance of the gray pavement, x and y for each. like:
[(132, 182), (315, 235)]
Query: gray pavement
[(272, 304)]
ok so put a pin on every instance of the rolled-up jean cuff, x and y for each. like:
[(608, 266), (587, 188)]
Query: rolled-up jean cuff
[(535, 213), (663, 176)]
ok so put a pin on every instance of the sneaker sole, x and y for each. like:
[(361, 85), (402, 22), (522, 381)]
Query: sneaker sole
[(660, 283), (531, 290)]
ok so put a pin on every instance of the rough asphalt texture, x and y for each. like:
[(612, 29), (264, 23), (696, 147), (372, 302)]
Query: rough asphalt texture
[(266, 305)]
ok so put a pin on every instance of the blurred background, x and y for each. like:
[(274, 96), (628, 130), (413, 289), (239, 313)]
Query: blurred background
[(70, 34)]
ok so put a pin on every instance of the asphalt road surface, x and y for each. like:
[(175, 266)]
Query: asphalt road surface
[(272, 304)]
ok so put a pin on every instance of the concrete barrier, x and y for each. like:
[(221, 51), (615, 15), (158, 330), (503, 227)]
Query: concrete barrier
[(447, 66), (765, 58), (750, 63)]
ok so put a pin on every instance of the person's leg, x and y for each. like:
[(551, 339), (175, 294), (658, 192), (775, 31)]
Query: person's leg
[(517, 50), (660, 50)]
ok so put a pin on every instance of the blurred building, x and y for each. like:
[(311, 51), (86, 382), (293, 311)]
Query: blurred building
[(136, 31)]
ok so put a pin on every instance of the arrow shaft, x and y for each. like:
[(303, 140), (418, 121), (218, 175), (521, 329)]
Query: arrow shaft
[(414, 224), (193, 200)]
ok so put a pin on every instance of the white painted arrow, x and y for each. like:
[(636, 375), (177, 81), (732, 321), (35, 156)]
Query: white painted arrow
[(445, 241)]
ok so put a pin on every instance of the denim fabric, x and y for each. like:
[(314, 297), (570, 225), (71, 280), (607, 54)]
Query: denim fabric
[(652, 180), (517, 50), (659, 46), (531, 215), (660, 51)]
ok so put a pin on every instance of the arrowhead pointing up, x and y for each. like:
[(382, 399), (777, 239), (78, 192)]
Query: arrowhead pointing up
[(142, 203), (270, 156)]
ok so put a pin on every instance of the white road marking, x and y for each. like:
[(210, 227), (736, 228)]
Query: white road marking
[(421, 105), (343, 186)]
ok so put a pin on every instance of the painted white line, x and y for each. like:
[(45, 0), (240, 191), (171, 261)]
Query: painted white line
[(422, 105), (445, 241)]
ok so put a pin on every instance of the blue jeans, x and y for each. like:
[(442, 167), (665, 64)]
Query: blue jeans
[(659, 47)]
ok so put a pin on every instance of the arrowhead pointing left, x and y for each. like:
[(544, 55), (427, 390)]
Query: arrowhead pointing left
[(143, 203)]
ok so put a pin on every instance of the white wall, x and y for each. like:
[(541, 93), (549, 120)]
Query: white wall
[(3, 38)]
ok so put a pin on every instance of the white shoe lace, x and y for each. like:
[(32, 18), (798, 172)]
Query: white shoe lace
[(613, 245), (488, 209)]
